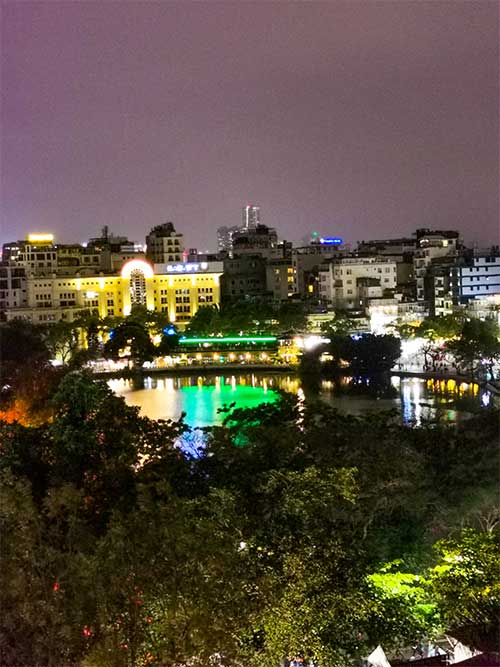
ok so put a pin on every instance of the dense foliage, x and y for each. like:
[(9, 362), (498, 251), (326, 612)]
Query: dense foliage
[(295, 530), (251, 318), (471, 345)]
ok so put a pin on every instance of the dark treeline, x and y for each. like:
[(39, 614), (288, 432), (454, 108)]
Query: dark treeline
[(294, 530)]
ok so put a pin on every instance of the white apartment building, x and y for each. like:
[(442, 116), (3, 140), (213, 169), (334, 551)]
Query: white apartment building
[(164, 244), (350, 282), (432, 245)]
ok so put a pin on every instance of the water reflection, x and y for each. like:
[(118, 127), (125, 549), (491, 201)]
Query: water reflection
[(201, 397)]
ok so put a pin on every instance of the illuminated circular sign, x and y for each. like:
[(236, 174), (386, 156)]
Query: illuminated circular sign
[(137, 265)]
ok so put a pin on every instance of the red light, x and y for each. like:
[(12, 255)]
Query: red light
[(55, 587)]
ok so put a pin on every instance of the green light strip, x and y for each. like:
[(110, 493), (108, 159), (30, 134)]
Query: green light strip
[(235, 339)]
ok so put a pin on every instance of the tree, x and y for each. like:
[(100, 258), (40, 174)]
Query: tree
[(444, 327), (45, 591), (205, 322), (290, 317), (131, 339), (466, 584), (340, 325), (151, 320), (63, 341), (21, 344), (249, 318), (372, 355), (168, 344), (27, 378), (171, 580), (122, 549), (478, 346), (402, 607)]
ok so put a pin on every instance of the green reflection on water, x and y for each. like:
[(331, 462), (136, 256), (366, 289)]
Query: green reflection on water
[(201, 397), (202, 403)]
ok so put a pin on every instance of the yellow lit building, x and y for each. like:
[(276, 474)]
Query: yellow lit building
[(175, 289)]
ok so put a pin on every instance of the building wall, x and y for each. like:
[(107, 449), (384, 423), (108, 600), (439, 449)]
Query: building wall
[(177, 293), (243, 277), (430, 247), (280, 279), (12, 287), (306, 262), (164, 244), (479, 279), (343, 281)]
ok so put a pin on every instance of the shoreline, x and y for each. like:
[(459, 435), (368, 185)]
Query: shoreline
[(193, 369), (196, 369)]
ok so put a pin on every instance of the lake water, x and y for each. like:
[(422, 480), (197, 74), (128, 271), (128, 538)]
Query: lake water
[(201, 397)]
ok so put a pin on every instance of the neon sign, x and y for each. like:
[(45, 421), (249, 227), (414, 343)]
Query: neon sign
[(40, 238), (186, 268), (228, 339), (331, 240)]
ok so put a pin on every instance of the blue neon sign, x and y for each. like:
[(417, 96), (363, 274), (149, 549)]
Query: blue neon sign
[(331, 240)]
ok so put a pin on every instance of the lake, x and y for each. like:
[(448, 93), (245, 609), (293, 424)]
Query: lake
[(201, 397)]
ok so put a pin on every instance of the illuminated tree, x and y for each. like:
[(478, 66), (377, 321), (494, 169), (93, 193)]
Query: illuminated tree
[(130, 339), (466, 583), (478, 346)]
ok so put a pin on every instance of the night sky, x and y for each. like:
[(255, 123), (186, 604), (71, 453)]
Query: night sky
[(357, 119)]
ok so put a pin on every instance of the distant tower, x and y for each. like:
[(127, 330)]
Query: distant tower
[(251, 216)]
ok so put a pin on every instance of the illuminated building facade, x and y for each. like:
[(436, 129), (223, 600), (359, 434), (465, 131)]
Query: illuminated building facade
[(251, 216), (176, 289), (37, 254)]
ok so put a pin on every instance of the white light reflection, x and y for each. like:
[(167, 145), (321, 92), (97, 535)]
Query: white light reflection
[(485, 399)]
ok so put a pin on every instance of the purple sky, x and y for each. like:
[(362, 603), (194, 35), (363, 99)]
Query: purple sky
[(357, 119)]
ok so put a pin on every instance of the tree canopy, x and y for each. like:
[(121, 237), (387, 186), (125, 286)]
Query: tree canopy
[(294, 530)]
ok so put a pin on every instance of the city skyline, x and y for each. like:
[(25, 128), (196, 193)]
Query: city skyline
[(352, 119)]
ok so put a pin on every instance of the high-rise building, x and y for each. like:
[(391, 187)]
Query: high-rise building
[(225, 238), (251, 216)]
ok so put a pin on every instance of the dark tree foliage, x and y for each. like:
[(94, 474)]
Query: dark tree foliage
[(130, 338), (22, 343), (295, 530), (372, 354), (251, 318)]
